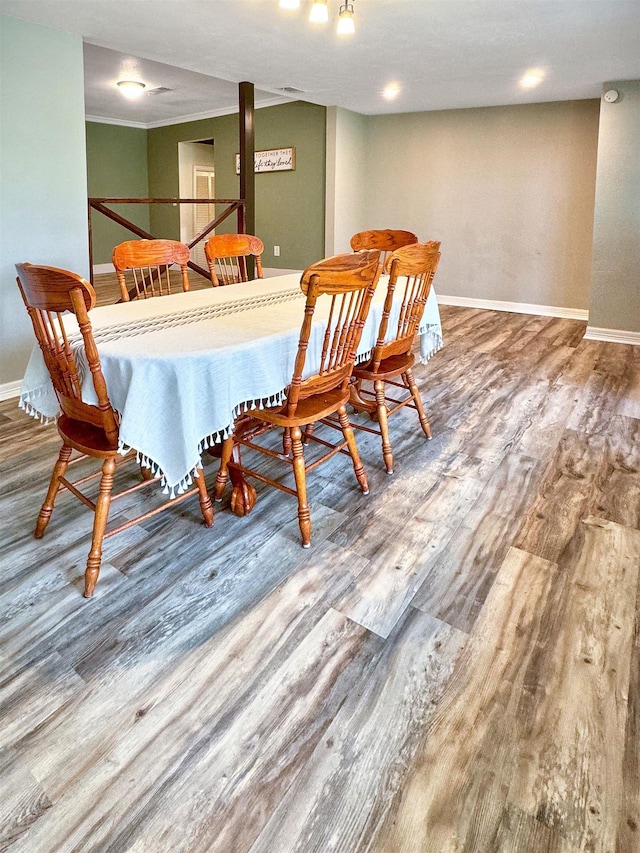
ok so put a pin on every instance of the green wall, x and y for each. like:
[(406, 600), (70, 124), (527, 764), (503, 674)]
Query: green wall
[(116, 167), (289, 205), (43, 204)]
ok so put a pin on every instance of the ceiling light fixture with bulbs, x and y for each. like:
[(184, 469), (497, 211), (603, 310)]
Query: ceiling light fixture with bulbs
[(131, 89), (319, 14)]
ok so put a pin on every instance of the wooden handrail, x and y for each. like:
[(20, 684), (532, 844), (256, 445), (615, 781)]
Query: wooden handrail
[(236, 205)]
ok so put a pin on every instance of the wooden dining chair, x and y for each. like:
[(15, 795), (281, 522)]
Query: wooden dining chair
[(149, 262), (227, 257), (346, 283), (89, 429), (385, 239), (413, 268)]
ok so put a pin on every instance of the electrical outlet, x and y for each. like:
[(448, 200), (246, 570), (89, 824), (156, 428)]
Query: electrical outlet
[(276, 251)]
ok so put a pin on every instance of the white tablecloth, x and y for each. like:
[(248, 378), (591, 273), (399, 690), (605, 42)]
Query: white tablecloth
[(179, 369)]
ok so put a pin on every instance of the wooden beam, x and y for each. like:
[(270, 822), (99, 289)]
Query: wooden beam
[(247, 152)]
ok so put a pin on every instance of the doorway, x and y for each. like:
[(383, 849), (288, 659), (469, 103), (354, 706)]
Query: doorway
[(197, 180)]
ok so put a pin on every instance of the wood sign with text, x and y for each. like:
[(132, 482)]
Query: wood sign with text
[(274, 160)]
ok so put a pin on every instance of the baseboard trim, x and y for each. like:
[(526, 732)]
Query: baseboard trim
[(612, 336), (99, 269), (10, 389), (516, 307), (268, 272)]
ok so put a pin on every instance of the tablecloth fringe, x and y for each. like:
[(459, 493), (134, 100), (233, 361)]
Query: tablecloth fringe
[(25, 403)]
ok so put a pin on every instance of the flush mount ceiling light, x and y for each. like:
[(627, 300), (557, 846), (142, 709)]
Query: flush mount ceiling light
[(319, 14), (131, 89)]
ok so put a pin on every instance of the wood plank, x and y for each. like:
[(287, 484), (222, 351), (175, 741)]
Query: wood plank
[(568, 491), (337, 802), (578, 693), (223, 748), (456, 794), (459, 581)]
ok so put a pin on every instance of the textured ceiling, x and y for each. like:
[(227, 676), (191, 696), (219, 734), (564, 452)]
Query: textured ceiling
[(443, 53)]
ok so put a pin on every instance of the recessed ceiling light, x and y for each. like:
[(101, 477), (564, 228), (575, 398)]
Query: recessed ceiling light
[(391, 91), (532, 78), (131, 88)]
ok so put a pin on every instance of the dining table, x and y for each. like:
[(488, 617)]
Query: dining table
[(181, 368)]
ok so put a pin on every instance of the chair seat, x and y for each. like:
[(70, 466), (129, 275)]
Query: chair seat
[(309, 409), (389, 367), (85, 437)]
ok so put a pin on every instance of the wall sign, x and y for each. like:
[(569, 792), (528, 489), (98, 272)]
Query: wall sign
[(274, 160)]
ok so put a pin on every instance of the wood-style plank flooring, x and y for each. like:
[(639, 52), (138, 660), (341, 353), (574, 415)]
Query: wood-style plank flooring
[(454, 665)]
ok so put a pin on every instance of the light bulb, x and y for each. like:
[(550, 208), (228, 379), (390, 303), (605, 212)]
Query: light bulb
[(131, 89), (346, 26), (319, 13)]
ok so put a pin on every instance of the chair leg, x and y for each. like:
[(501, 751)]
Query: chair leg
[(308, 432), (415, 393), (59, 470), (381, 411), (99, 526), (300, 474), (350, 438), (206, 506), (286, 441), (223, 470)]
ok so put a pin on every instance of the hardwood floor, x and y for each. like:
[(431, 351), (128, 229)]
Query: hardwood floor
[(453, 666)]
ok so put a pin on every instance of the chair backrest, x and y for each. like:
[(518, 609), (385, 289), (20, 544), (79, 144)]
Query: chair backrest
[(47, 293), (149, 262), (227, 257), (385, 239), (348, 282), (413, 268)]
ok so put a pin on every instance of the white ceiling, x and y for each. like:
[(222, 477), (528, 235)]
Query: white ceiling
[(443, 53)]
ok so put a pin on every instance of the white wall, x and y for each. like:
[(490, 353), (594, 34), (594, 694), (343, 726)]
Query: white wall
[(507, 190), (347, 177), (615, 297), (43, 176)]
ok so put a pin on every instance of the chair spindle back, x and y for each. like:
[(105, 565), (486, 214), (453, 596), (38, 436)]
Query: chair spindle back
[(227, 257), (349, 282), (48, 293), (413, 268), (149, 261)]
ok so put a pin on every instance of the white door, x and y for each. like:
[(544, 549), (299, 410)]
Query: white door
[(203, 187)]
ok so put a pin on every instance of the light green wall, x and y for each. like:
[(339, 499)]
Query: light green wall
[(289, 205), (116, 167), (615, 287), (508, 190), (43, 198)]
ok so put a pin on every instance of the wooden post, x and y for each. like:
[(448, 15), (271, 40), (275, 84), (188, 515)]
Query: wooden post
[(90, 244), (247, 172)]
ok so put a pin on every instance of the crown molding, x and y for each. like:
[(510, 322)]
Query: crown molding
[(150, 125), (117, 121)]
